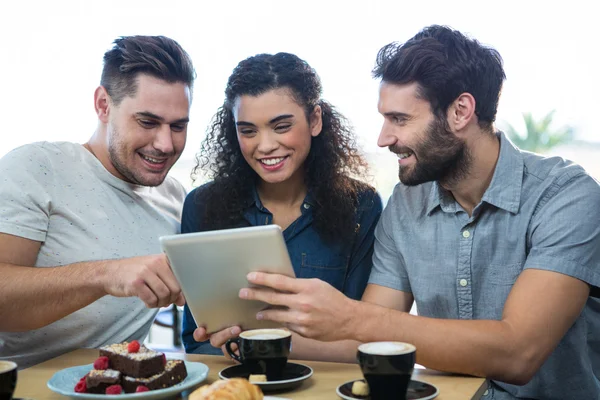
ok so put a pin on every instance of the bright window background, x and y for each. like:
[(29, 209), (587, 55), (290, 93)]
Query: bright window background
[(51, 59)]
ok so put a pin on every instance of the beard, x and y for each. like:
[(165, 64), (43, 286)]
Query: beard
[(117, 153), (441, 156)]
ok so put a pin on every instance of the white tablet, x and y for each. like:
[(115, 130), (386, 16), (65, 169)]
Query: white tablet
[(211, 268)]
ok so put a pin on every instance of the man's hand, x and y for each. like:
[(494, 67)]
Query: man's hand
[(310, 307), (40, 296), (148, 277)]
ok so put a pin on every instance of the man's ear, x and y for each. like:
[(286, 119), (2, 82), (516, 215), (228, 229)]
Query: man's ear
[(102, 103), (461, 112), (316, 121)]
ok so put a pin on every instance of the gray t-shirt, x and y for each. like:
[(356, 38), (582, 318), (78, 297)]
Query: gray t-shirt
[(60, 195), (541, 213)]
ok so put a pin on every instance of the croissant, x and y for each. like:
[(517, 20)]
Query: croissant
[(233, 389)]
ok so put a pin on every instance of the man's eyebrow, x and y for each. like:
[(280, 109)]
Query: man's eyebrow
[(148, 114), (396, 114)]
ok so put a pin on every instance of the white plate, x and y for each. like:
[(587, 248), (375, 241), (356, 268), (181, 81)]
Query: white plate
[(64, 381)]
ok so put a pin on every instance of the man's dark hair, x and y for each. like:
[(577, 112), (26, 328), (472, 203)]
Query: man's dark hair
[(445, 63), (157, 56)]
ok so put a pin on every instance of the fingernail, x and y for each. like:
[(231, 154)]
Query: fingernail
[(251, 276), (259, 316), (234, 331), (244, 293)]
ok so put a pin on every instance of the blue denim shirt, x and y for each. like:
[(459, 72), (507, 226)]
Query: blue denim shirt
[(540, 213), (345, 266)]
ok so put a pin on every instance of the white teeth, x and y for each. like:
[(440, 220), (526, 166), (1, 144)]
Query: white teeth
[(272, 161), (404, 155), (152, 160)]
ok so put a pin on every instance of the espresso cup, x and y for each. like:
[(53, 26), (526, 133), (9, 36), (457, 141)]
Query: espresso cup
[(8, 379), (262, 351), (387, 368)]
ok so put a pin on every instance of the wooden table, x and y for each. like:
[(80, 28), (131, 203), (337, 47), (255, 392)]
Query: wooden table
[(327, 377)]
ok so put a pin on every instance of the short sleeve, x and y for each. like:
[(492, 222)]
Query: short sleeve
[(565, 229), (26, 179), (389, 269)]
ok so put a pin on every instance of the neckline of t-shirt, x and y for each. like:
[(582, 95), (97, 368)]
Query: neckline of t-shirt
[(109, 178)]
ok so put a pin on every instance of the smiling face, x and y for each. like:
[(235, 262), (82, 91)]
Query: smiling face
[(146, 133), (274, 134), (427, 150)]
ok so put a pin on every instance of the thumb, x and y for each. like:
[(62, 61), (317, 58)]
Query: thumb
[(200, 334)]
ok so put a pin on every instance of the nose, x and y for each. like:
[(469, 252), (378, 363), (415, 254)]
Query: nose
[(267, 142), (163, 141), (386, 137)]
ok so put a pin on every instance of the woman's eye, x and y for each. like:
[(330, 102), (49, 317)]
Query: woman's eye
[(282, 128), (246, 131)]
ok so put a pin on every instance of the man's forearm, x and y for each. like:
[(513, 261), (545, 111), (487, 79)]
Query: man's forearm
[(315, 350), (31, 298), (475, 347)]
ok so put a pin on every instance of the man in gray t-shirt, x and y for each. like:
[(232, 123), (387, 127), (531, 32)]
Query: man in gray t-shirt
[(499, 248), (80, 259)]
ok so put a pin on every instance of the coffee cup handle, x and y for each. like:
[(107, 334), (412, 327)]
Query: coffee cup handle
[(230, 351)]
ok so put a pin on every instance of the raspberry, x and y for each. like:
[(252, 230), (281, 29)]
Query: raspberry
[(114, 389), (141, 388), (164, 358), (133, 346), (83, 379), (101, 363), (81, 387)]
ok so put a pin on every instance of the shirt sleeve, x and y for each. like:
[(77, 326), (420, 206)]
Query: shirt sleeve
[(187, 337), (26, 180), (564, 232), (188, 224), (361, 259), (389, 269), (190, 221)]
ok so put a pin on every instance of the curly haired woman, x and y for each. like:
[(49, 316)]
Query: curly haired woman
[(279, 154)]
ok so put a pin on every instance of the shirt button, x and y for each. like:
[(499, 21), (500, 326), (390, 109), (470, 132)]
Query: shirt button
[(486, 392), (463, 282), (466, 234), (306, 205)]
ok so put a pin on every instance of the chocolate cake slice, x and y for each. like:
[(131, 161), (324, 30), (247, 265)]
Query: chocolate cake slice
[(173, 373), (99, 379), (141, 364)]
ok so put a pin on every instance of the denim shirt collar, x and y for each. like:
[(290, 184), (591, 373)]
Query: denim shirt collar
[(505, 188), (254, 200)]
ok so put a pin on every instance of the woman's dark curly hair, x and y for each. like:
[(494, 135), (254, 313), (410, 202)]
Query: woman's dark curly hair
[(332, 159)]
